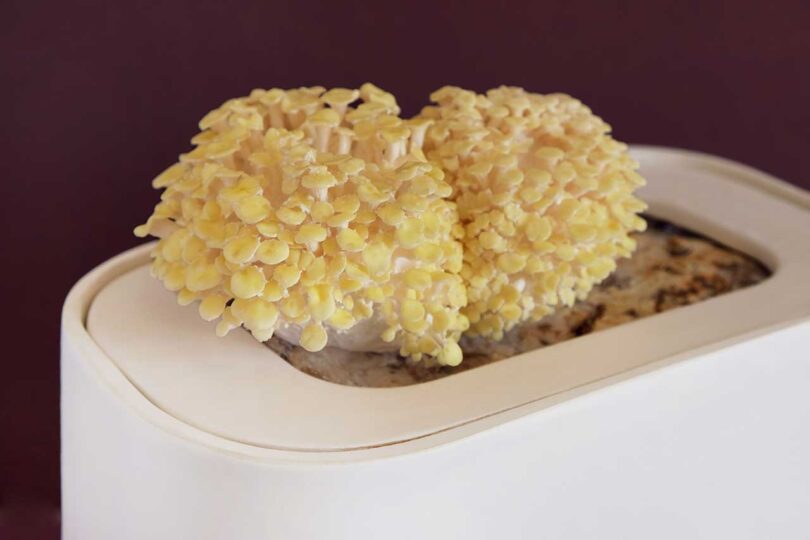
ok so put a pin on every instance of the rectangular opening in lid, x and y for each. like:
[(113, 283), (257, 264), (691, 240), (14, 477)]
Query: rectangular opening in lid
[(672, 267)]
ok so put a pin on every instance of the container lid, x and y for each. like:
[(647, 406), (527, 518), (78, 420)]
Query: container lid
[(236, 388)]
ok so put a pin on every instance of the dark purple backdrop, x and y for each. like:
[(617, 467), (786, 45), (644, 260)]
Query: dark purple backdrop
[(102, 95)]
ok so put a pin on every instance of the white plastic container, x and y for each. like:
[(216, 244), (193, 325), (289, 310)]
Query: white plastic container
[(694, 423)]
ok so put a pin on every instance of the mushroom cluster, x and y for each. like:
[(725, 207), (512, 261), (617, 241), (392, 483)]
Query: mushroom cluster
[(300, 214), (317, 216), (545, 196)]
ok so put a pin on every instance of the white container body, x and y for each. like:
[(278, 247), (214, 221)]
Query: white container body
[(690, 424)]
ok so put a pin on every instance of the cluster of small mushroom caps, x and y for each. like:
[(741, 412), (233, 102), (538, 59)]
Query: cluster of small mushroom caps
[(325, 218)]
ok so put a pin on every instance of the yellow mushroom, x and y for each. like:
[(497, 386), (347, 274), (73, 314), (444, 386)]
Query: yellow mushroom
[(303, 215), (544, 195)]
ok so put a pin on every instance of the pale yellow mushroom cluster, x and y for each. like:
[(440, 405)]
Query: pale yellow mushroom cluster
[(324, 217), (544, 194), (301, 213)]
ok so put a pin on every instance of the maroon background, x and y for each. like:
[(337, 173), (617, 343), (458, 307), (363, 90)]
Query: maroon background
[(100, 96)]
